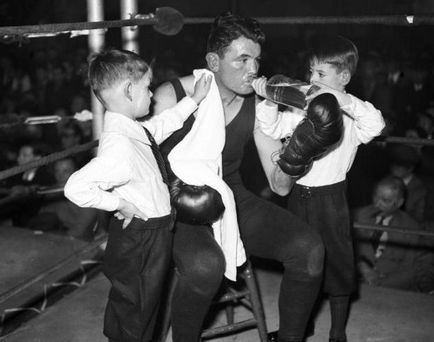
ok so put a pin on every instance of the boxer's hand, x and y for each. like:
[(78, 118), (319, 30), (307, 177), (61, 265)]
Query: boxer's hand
[(201, 88), (343, 98), (259, 86), (314, 135), (126, 211)]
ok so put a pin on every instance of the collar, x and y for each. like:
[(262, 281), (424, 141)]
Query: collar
[(408, 179), (119, 123)]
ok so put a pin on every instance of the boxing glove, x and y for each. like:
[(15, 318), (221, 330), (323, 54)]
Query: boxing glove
[(314, 135), (196, 204)]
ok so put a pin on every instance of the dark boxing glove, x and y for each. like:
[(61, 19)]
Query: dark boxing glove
[(196, 204), (315, 134)]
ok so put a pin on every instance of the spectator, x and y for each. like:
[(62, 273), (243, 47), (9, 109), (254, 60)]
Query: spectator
[(387, 258), (403, 162), (70, 218)]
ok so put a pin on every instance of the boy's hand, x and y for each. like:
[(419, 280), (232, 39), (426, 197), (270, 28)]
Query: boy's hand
[(126, 211), (201, 88), (259, 85), (343, 98)]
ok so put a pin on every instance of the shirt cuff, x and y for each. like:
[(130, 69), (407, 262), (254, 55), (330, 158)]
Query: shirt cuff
[(266, 113), (185, 107), (110, 203)]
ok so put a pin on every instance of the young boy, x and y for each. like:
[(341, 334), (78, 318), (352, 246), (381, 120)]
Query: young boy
[(319, 196), (126, 177)]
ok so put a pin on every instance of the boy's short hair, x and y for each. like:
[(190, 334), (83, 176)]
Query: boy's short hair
[(228, 27), (336, 50), (109, 67)]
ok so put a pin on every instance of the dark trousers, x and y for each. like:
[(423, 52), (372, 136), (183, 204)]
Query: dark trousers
[(325, 209), (136, 261), (267, 231)]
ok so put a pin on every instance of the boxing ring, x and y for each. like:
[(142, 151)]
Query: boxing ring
[(37, 264)]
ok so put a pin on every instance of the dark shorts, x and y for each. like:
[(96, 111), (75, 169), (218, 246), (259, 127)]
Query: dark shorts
[(325, 208), (136, 261)]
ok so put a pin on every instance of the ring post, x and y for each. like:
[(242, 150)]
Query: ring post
[(95, 12), (130, 34)]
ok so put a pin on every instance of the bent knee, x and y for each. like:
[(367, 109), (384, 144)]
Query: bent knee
[(204, 272), (315, 260), (306, 255)]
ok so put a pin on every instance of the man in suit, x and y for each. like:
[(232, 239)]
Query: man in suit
[(387, 258)]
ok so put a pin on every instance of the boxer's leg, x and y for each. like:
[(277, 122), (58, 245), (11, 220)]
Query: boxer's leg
[(200, 267)]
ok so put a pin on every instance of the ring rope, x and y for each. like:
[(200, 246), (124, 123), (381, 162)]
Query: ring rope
[(46, 291), (92, 144), (47, 159), (404, 140), (394, 229), (400, 20), (19, 288), (151, 19), (10, 31)]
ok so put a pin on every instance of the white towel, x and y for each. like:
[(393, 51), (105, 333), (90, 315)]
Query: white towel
[(197, 160)]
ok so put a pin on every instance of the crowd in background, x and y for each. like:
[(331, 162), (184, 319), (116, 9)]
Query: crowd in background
[(47, 81)]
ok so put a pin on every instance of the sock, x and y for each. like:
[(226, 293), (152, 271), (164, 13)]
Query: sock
[(339, 314)]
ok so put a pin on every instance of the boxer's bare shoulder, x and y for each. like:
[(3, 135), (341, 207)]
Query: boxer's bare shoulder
[(188, 84), (165, 96)]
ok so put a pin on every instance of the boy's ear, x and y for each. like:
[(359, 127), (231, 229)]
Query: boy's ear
[(212, 60), (128, 90), (345, 77)]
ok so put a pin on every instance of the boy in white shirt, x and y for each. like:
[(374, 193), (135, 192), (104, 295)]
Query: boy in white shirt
[(319, 196), (127, 177)]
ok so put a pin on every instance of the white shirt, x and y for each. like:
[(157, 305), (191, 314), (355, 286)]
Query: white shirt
[(125, 166), (384, 237), (366, 123)]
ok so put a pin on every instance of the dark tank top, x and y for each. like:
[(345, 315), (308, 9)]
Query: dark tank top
[(238, 132)]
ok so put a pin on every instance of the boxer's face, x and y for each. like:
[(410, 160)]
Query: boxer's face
[(239, 65)]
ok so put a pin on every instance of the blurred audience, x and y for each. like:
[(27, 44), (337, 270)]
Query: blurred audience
[(387, 258), (403, 162), (67, 217)]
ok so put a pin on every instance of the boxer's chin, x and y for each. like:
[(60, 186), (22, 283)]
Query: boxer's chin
[(245, 89)]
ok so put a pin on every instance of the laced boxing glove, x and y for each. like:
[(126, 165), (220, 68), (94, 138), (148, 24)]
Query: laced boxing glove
[(196, 204), (314, 135)]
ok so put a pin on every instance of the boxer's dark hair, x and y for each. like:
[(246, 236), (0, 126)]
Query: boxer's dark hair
[(336, 50), (228, 27), (111, 66)]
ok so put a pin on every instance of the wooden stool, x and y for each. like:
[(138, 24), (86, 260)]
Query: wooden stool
[(229, 296)]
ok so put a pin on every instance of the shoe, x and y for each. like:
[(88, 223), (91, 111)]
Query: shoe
[(272, 336), (338, 339)]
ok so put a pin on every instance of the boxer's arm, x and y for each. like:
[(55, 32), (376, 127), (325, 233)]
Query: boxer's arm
[(164, 98), (267, 147)]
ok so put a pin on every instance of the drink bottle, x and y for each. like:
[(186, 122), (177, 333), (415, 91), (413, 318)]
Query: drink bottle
[(289, 92)]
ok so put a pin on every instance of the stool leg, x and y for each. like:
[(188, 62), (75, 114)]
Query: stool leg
[(255, 299), (230, 314)]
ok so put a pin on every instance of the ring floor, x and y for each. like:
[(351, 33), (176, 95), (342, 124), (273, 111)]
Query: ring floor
[(378, 315)]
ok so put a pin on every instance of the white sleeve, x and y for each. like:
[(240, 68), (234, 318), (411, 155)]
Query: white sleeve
[(368, 120), (276, 124), (170, 120), (91, 185)]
